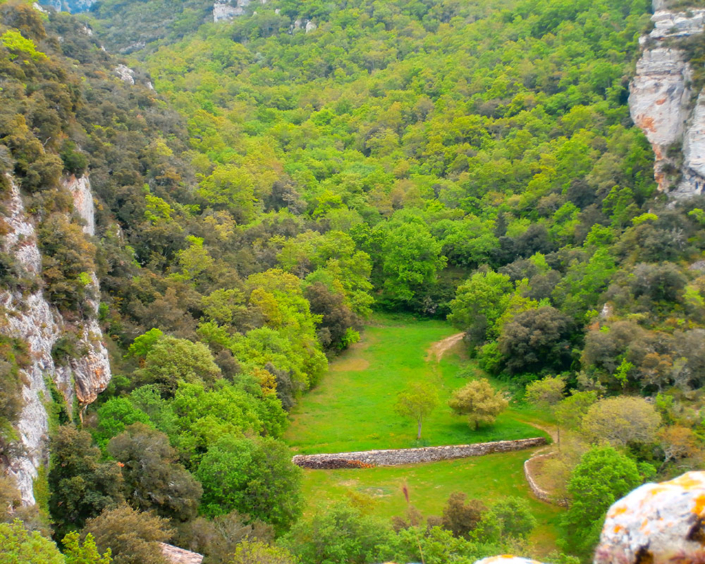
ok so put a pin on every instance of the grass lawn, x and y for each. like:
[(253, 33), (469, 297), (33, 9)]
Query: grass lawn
[(353, 406), (485, 477)]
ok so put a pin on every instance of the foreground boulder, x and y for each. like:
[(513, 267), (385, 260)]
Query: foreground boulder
[(655, 524)]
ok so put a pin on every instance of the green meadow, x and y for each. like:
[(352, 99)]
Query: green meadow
[(485, 477), (353, 409), (353, 406)]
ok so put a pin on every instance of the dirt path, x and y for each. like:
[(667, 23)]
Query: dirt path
[(439, 348)]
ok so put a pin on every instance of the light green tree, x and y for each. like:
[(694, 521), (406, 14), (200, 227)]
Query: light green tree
[(417, 402), (479, 303), (602, 477), (479, 402), (19, 546)]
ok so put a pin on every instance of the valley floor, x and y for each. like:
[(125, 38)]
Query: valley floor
[(352, 409)]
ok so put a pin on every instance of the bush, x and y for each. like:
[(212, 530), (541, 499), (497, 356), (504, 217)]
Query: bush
[(133, 537)]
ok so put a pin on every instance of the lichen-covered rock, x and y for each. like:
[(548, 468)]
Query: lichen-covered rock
[(657, 523), (506, 559)]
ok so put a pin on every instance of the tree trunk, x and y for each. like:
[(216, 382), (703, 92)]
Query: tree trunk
[(418, 435)]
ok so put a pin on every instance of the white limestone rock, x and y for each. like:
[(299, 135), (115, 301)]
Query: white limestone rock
[(656, 523), (658, 101), (80, 189), (31, 318), (669, 24), (693, 168), (125, 73)]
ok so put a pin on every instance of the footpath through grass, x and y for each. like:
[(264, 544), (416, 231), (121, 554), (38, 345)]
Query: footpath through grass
[(353, 407)]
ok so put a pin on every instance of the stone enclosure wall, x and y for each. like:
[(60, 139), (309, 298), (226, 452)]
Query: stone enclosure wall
[(537, 490), (400, 457)]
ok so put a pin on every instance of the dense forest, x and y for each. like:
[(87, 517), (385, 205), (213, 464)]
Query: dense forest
[(262, 188)]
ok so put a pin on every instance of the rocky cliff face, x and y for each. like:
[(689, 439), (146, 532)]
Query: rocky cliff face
[(664, 106), (31, 318)]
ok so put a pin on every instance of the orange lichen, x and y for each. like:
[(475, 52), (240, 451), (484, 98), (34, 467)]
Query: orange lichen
[(686, 482), (699, 506)]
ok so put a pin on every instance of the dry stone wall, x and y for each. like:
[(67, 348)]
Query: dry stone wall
[(537, 490), (400, 457)]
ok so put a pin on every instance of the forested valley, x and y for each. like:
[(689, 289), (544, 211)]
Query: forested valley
[(335, 226)]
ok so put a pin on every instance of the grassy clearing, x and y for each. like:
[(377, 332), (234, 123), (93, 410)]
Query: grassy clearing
[(487, 478), (352, 408)]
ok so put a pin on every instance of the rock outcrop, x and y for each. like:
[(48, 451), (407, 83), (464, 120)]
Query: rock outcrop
[(226, 10), (655, 524), (661, 103), (73, 6), (32, 319)]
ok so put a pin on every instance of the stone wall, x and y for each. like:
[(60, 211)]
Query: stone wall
[(537, 490), (400, 457)]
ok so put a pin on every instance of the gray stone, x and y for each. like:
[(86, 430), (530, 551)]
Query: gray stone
[(400, 457)]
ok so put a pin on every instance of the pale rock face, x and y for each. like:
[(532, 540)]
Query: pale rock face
[(677, 24), (31, 318), (693, 168), (83, 201), (659, 95), (310, 26), (125, 73), (73, 6), (226, 11), (660, 100), (656, 523)]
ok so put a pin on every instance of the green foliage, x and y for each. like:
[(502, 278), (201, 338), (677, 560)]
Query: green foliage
[(479, 402), (170, 361), (143, 344), (18, 45), (460, 517), (81, 485), (114, 415), (602, 477), (13, 356), (515, 517), (479, 304), (417, 402), (152, 479), (255, 552), (255, 477), (131, 536), (546, 392), (19, 546), (86, 552), (338, 533), (204, 416)]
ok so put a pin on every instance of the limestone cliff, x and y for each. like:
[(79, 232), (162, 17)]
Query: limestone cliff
[(30, 317), (663, 104)]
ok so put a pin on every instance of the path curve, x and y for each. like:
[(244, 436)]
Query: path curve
[(439, 348)]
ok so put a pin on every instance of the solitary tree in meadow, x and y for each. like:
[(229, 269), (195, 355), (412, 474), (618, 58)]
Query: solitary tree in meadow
[(479, 401), (417, 402)]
